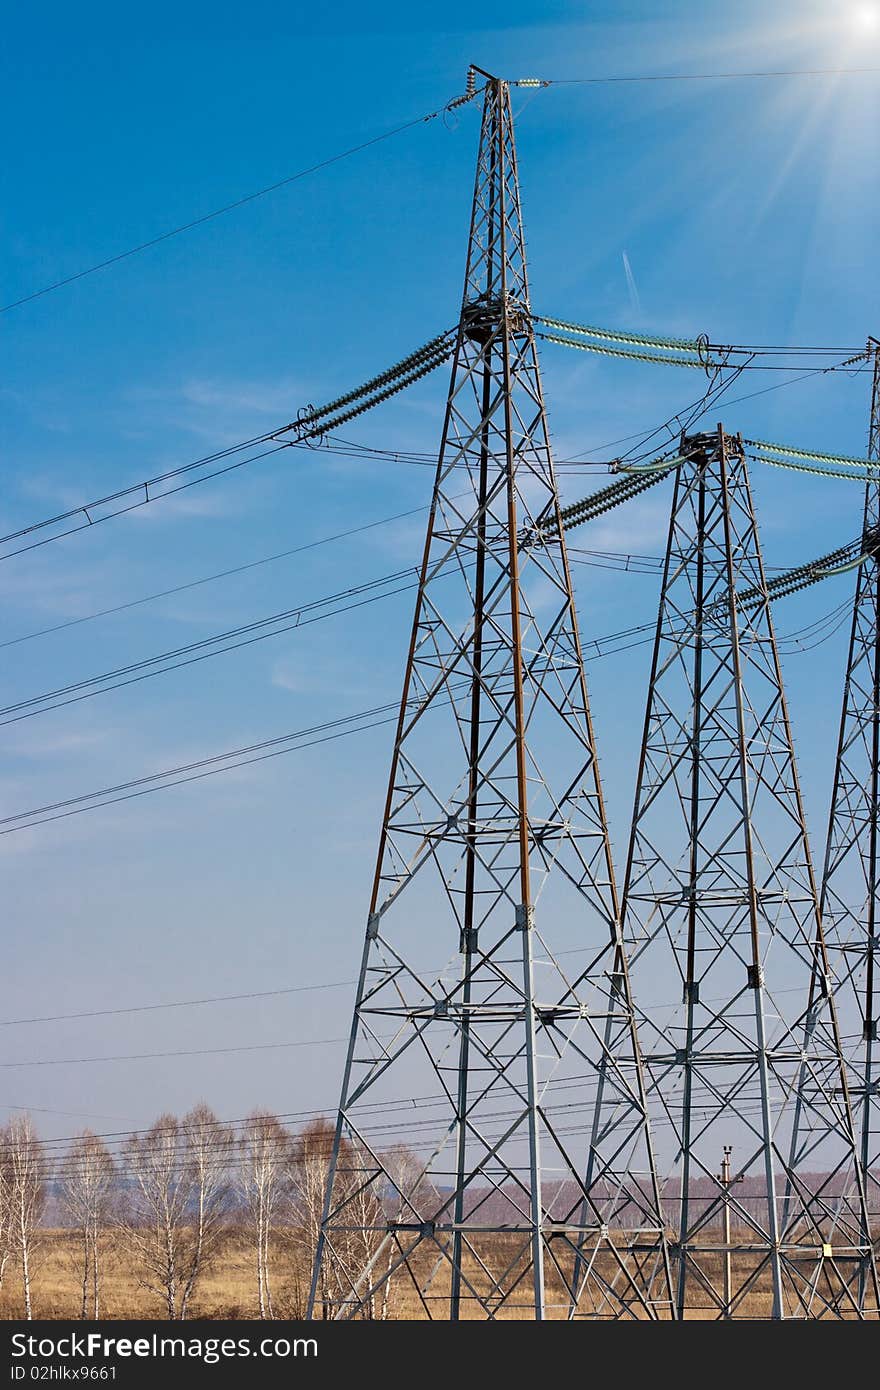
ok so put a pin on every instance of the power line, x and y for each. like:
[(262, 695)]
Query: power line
[(354, 450), (142, 495), (311, 424), (194, 652), (694, 362), (174, 1004), (176, 1052), (289, 179), (275, 625), (221, 211), (210, 578), (320, 733), (188, 1004), (707, 76), (62, 1153), (793, 381), (140, 492), (196, 1003), (68, 1114), (117, 1138), (628, 562), (342, 727), (191, 653)]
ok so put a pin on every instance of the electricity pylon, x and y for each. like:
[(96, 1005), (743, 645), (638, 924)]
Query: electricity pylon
[(532, 1189), (729, 971), (850, 897)]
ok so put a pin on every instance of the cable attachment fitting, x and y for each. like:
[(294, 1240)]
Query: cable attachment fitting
[(871, 541), (853, 361), (312, 434), (470, 91), (703, 352), (482, 317)]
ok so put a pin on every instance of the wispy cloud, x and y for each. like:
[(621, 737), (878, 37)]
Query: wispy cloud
[(220, 409), (190, 505), (634, 297), (641, 531), (39, 745), (288, 676), (309, 678), (260, 398)]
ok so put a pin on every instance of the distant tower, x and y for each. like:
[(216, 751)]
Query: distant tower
[(851, 878), (530, 1186), (727, 962)]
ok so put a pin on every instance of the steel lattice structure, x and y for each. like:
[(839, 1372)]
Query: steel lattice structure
[(728, 966), (494, 855), (850, 896)]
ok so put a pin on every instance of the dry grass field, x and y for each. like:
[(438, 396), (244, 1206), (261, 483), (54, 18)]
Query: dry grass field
[(228, 1289)]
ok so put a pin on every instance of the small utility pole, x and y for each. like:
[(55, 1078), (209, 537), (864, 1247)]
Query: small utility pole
[(726, 1182)]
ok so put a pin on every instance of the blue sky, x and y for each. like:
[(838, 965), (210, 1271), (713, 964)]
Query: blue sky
[(748, 210)]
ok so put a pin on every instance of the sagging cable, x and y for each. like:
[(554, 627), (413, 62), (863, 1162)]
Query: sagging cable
[(868, 476), (838, 561), (614, 336), (603, 351), (322, 427), (844, 569), (658, 465), (618, 492), (442, 344), (783, 449)]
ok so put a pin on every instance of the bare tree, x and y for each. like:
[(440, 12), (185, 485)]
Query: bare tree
[(310, 1170), (5, 1200), (264, 1177), (86, 1192), (411, 1197), (153, 1218), (27, 1173), (210, 1153), (369, 1221), (177, 1202), (350, 1252)]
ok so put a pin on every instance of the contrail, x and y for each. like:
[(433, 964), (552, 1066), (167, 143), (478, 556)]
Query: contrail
[(634, 299)]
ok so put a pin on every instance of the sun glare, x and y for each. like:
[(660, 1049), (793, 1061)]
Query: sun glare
[(866, 18)]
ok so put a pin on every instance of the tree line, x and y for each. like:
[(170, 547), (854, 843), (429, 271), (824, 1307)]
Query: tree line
[(170, 1196)]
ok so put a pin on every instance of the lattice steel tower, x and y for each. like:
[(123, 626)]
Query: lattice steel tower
[(728, 965), (532, 1186), (851, 879)]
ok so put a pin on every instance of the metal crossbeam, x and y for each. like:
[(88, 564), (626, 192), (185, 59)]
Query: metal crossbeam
[(850, 895), (494, 847), (728, 965)]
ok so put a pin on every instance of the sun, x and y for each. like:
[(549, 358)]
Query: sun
[(865, 18)]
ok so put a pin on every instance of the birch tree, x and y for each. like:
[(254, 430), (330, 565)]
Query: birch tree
[(265, 1152), (86, 1193), (5, 1200), (310, 1170), (411, 1197), (210, 1154), (368, 1208), (27, 1175), (177, 1203), (350, 1251), (369, 1222)]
